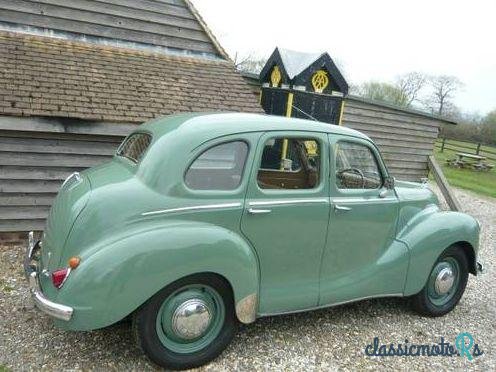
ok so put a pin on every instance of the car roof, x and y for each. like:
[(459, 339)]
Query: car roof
[(221, 124)]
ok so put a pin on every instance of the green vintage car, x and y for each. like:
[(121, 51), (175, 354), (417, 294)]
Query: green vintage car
[(201, 221)]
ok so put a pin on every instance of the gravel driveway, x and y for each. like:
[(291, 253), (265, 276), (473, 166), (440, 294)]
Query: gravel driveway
[(333, 338)]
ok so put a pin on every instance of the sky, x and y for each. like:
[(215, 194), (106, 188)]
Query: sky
[(371, 40)]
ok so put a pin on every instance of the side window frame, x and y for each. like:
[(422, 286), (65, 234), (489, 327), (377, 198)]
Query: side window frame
[(250, 138), (335, 190), (320, 138), (206, 149)]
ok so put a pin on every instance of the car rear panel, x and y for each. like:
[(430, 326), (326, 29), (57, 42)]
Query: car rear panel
[(68, 204)]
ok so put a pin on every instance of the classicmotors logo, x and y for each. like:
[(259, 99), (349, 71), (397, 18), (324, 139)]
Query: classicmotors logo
[(464, 346)]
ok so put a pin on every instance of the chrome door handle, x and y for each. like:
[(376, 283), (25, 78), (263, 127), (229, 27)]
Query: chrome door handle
[(258, 211), (383, 194), (341, 208)]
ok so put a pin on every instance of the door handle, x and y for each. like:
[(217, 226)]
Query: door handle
[(341, 208), (258, 211)]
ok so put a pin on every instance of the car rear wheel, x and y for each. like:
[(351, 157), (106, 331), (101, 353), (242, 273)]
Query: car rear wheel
[(188, 323), (445, 285)]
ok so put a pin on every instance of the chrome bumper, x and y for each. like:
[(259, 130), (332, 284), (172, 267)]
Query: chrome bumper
[(53, 309)]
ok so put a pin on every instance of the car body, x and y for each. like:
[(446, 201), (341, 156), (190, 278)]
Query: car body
[(293, 214)]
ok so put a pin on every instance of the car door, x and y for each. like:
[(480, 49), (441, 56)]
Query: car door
[(362, 257), (286, 217)]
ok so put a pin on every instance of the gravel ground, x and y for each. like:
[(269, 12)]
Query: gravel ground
[(333, 338)]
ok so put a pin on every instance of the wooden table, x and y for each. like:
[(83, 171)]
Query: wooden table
[(473, 161), (462, 155)]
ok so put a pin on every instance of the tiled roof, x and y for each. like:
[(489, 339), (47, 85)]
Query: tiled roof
[(41, 76)]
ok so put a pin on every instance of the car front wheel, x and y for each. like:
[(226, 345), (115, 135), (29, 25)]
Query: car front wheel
[(445, 285), (188, 323)]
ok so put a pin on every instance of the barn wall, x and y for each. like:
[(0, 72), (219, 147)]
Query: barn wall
[(167, 23), (404, 138), (36, 155)]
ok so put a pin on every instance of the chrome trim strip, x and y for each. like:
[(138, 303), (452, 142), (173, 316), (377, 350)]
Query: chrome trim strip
[(333, 305), (341, 200), (74, 174), (66, 276), (192, 208), (289, 201), (31, 243)]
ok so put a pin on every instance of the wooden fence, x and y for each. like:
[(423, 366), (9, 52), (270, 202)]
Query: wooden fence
[(467, 147)]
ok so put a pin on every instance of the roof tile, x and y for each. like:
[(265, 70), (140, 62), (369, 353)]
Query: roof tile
[(54, 77)]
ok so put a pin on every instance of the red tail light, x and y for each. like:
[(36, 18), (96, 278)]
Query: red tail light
[(59, 277)]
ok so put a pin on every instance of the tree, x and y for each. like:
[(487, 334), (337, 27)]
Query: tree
[(384, 92), (489, 127), (464, 131), (443, 88), (410, 85), (249, 63)]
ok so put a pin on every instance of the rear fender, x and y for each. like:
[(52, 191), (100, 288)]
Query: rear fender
[(117, 277)]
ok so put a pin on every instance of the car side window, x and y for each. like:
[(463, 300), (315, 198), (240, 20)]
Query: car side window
[(218, 168), (356, 167), (289, 163)]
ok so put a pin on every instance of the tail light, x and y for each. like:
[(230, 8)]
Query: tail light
[(59, 277)]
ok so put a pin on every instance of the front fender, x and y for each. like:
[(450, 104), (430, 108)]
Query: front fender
[(428, 235), (115, 279)]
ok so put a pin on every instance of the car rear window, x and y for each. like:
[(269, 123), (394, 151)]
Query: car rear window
[(134, 146)]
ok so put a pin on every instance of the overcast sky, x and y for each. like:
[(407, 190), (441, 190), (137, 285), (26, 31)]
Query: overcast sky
[(372, 40)]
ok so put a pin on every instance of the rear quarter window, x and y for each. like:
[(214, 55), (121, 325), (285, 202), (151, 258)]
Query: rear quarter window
[(134, 146), (218, 168)]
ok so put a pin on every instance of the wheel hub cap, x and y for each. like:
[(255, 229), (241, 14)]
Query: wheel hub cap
[(444, 281), (191, 319)]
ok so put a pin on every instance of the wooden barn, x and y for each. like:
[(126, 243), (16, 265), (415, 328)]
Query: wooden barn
[(76, 76), (309, 85)]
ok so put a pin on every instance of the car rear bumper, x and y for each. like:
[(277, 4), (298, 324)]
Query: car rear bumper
[(51, 308)]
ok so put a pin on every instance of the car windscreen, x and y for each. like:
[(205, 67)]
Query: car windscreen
[(134, 146)]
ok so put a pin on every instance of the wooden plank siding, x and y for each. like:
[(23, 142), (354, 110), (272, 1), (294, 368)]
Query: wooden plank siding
[(37, 154), (404, 138), (169, 24), (33, 164)]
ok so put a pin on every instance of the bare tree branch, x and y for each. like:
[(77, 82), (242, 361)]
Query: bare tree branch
[(249, 63), (443, 88), (410, 85)]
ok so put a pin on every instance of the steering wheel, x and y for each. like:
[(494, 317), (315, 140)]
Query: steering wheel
[(353, 170)]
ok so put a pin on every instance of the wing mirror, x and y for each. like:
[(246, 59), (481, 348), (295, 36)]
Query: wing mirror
[(389, 183)]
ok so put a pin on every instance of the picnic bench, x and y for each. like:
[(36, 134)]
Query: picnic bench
[(473, 161)]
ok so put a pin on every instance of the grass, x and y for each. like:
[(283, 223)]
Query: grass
[(483, 183), (3, 368)]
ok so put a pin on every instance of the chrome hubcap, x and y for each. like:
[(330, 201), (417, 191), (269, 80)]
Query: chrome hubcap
[(191, 319), (444, 281)]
